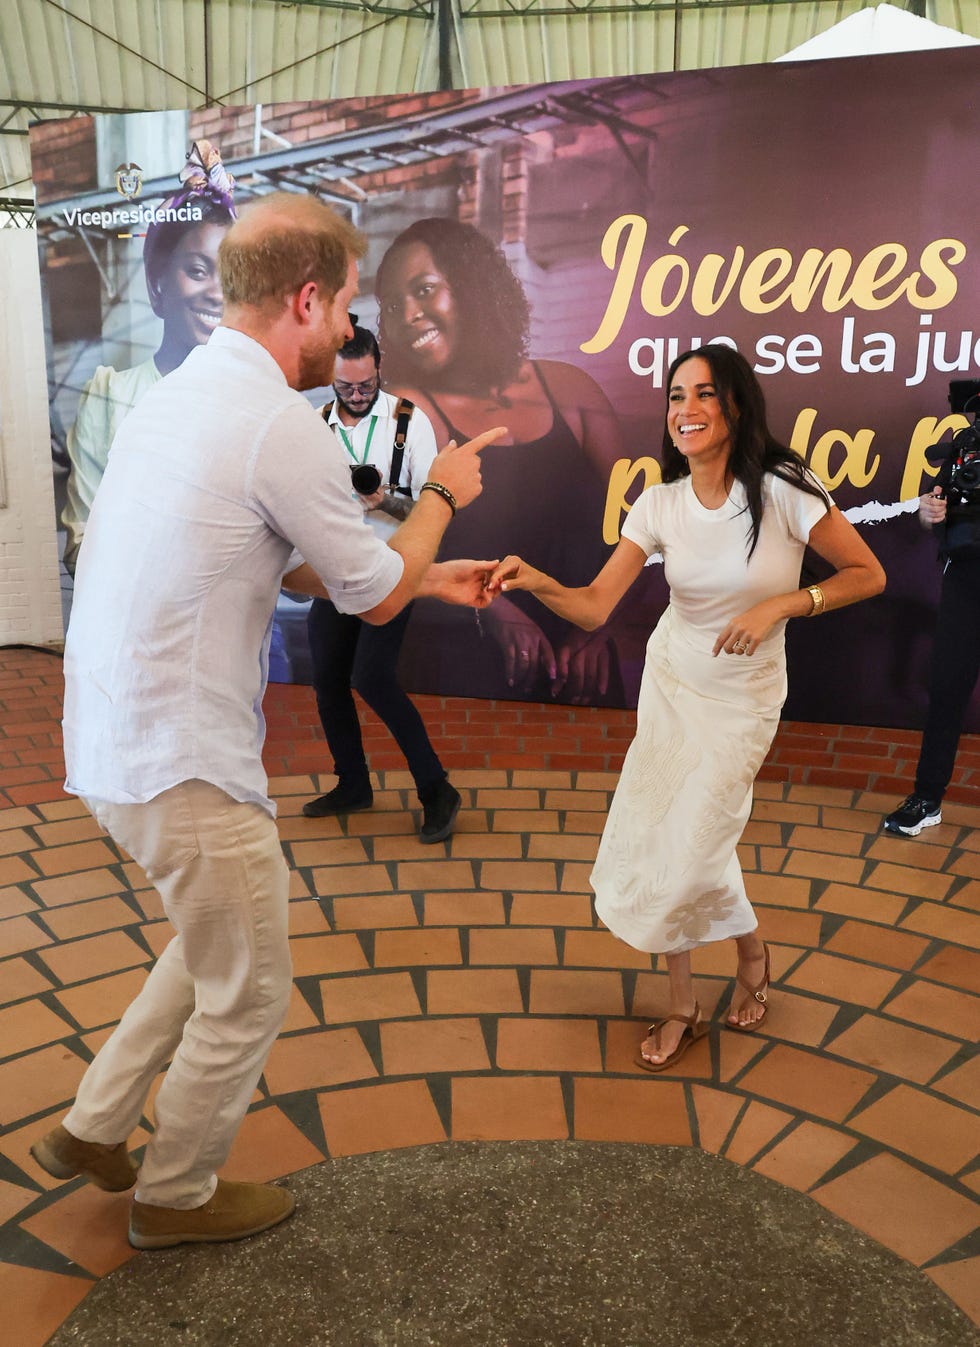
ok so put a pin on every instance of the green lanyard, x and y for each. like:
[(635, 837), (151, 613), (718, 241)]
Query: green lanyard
[(350, 447)]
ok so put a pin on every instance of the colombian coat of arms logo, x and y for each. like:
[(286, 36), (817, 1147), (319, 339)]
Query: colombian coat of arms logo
[(129, 180)]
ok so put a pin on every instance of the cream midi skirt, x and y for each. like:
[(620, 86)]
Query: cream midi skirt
[(667, 877)]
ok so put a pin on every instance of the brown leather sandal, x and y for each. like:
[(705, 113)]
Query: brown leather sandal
[(761, 993), (695, 1029)]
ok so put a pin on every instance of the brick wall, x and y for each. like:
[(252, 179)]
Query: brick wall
[(482, 734), (63, 158), (233, 129)]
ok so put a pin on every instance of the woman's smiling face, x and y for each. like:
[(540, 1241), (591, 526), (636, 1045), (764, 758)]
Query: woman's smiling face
[(190, 300), (695, 413), (419, 309)]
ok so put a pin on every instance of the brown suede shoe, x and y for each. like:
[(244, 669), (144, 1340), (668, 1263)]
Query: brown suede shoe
[(63, 1157), (234, 1211)]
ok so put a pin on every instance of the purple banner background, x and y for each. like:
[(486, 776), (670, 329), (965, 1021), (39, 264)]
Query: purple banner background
[(733, 178)]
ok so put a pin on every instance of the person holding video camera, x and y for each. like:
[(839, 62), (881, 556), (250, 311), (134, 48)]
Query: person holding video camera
[(952, 510), (390, 444)]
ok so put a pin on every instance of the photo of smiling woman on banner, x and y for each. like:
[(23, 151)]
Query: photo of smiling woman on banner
[(454, 333), (180, 266)]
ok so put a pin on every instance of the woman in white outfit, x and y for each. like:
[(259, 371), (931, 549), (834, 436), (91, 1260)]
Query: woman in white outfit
[(731, 519)]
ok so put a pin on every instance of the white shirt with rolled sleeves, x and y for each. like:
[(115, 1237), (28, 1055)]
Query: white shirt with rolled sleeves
[(420, 450), (220, 471)]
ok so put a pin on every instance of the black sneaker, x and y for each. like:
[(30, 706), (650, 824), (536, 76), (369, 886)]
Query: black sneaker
[(439, 809), (913, 815), (340, 800)]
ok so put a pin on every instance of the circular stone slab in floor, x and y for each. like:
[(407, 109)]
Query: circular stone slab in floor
[(545, 1244)]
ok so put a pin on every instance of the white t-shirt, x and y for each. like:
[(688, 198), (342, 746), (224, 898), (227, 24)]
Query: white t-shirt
[(372, 440), (705, 552), (219, 470)]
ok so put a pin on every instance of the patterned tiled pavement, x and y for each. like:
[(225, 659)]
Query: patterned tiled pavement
[(471, 994)]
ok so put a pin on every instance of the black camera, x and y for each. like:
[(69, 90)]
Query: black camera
[(365, 478), (962, 485), (959, 477)]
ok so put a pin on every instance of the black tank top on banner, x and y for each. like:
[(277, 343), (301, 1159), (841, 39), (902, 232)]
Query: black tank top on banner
[(543, 500)]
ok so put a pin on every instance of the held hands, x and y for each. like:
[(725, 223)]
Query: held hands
[(579, 667), (526, 650), (932, 507), (457, 467), (583, 668), (462, 582), (744, 633), (513, 573)]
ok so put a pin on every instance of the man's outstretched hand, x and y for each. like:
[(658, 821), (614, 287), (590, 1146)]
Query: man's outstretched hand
[(463, 582)]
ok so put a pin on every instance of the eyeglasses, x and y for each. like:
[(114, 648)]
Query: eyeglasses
[(366, 388)]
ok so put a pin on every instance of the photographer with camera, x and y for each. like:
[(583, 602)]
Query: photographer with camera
[(391, 445), (952, 510)]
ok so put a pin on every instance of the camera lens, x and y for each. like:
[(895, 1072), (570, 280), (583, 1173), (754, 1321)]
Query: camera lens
[(968, 477), (366, 478)]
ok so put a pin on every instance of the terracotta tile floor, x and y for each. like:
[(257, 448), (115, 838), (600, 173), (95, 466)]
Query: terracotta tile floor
[(469, 994)]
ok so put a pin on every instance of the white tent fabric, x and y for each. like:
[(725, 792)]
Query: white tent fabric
[(879, 28)]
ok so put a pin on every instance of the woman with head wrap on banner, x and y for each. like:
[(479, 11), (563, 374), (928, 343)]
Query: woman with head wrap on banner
[(731, 520), (454, 333), (180, 265)]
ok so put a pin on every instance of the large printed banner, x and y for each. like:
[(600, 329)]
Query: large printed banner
[(537, 257)]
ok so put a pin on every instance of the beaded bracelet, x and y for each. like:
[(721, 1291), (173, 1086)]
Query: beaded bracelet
[(442, 491), (816, 594)]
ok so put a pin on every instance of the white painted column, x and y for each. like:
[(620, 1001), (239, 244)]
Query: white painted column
[(30, 593)]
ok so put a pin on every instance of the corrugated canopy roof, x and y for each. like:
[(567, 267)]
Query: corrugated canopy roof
[(59, 57)]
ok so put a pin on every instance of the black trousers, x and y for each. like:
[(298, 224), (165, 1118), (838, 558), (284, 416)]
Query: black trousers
[(348, 653), (955, 669)]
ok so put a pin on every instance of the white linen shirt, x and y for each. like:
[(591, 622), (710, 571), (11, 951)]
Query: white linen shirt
[(420, 450), (218, 472)]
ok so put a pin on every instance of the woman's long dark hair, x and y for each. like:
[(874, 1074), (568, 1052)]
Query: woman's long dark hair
[(493, 314), (754, 449)]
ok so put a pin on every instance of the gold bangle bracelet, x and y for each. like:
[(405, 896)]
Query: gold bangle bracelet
[(819, 602)]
